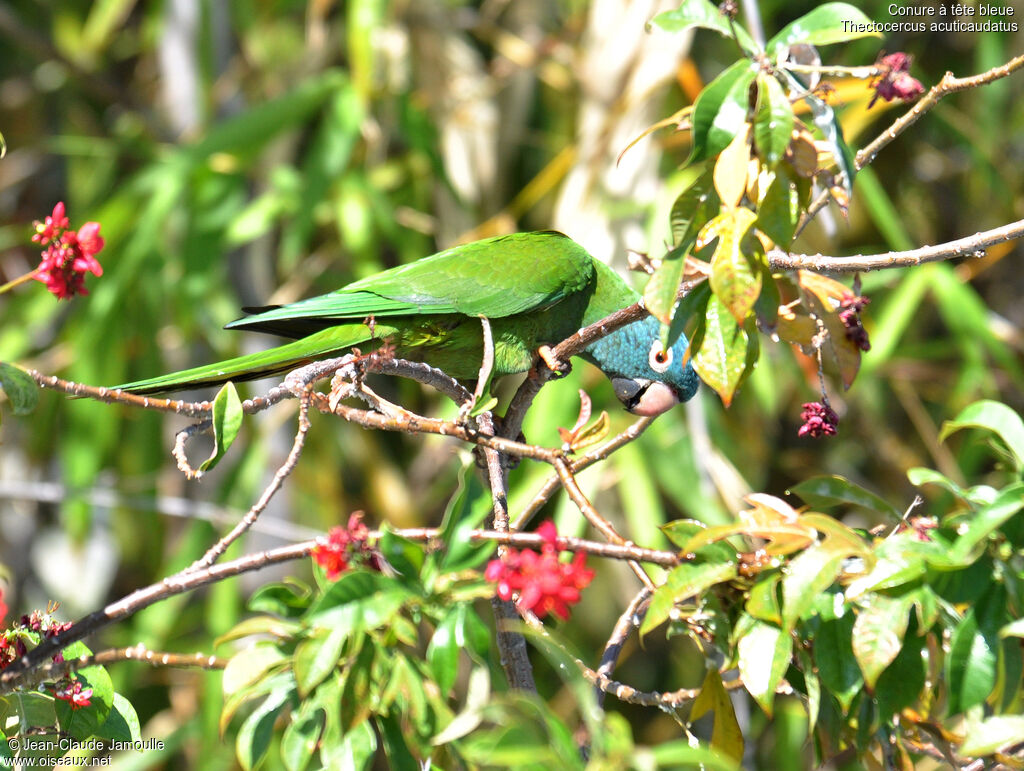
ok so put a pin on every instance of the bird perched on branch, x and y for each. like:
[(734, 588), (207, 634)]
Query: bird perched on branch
[(535, 289)]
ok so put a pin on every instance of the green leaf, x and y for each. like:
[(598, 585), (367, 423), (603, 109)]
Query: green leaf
[(302, 735), (20, 388), (257, 731), (682, 531), (992, 416), (249, 666), (356, 750), (764, 654), (461, 517), (974, 651), (686, 580), (365, 613), (825, 491), (227, 420), (663, 285), (679, 754), (980, 494), (901, 683), (833, 655), (443, 651), (694, 206), (403, 555), (826, 24), (351, 586), (878, 634), (779, 210), (400, 757), (693, 306), (774, 121), (122, 724), (83, 723), (289, 598), (991, 734), (763, 602), (806, 576), (316, 657), (987, 520), (721, 361), (701, 13), (735, 271), (1013, 629), (720, 112)]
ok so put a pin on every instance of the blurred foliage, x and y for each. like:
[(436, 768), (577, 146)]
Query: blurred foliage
[(250, 152)]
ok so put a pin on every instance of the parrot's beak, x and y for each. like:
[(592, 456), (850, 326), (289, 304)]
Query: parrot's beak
[(644, 397)]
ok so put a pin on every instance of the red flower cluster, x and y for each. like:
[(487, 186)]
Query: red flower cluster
[(12, 648), (849, 314), (544, 584), (68, 255), (819, 420), (894, 80), (72, 692), (343, 546), (12, 641)]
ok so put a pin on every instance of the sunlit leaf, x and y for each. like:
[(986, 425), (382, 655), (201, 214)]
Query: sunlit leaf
[(730, 171), (663, 285), (823, 491), (826, 24), (974, 651), (722, 359), (735, 270), (992, 416), (773, 123), (878, 634), (20, 388), (701, 13), (764, 654), (991, 734), (721, 110), (726, 735), (683, 582), (227, 420)]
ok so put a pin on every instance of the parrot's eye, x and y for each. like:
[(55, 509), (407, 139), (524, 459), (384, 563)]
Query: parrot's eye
[(660, 359)]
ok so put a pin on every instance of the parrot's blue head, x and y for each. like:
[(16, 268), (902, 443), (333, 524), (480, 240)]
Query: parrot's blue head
[(647, 379)]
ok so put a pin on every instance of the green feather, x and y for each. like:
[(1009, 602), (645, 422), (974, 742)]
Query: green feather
[(534, 288)]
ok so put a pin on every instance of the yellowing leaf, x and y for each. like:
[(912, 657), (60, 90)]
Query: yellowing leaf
[(731, 169), (735, 277), (721, 360), (726, 736)]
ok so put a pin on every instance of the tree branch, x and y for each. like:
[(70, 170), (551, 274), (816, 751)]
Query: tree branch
[(972, 245)]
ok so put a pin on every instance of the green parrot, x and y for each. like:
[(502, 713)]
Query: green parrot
[(534, 288)]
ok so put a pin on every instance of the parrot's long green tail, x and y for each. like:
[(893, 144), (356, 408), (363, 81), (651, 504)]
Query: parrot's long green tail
[(284, 358)]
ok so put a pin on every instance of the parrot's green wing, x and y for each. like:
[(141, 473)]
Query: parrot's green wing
[(496, 277), (320, 345)]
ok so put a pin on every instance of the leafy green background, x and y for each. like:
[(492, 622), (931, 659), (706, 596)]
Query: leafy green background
[(296, 146)]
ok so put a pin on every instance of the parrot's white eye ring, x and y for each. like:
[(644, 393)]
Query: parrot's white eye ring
[(660, 358)]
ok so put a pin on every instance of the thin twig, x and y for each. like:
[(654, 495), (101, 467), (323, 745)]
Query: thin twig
[(584, 461), (419, 424), (971, 245), (512, 651), (214, 552), (631, 618), (143, 598), (54, 670), (594, 517), (948, 85)]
